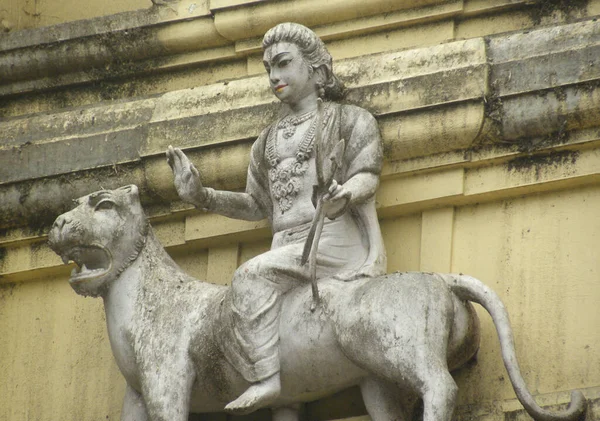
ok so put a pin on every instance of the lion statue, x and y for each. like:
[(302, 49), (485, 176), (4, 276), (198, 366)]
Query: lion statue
[(397, 336)]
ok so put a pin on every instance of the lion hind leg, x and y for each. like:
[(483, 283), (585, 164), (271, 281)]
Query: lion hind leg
[(439, 395), (385, 401), (134, 408)]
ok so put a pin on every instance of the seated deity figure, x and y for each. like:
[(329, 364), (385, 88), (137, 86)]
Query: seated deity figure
[(280, 180)]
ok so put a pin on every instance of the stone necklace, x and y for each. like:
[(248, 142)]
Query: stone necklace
[(288, 123), (285, 178)]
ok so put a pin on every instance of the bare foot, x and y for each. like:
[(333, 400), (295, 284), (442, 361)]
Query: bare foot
[(258, 395)]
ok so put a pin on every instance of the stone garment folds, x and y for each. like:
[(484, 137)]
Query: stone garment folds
[(251, 311)]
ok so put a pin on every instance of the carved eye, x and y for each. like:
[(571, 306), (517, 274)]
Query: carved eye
[(284, 62), (105, 205)]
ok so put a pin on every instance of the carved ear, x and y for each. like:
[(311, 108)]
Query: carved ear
[(325, 73), (322, 74), (133, 192)]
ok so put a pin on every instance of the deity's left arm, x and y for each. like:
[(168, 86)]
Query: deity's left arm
[(363, 157), (362, 187)]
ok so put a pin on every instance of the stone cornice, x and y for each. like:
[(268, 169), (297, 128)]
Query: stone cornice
[(429, 101), (188, 33), (254, 18), (232, 112)]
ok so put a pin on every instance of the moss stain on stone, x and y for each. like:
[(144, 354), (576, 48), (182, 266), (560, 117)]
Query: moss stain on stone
[(571, 9), (537, 163)]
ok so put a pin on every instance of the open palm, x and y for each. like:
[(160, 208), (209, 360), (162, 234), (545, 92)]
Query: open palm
[(187, 178)]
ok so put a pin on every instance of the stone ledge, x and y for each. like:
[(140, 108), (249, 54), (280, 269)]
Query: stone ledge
[(183, 34), (369, 24), (414, 94), (488, 176), (107, 54), (256, 18), (215, 115), (102, 25)]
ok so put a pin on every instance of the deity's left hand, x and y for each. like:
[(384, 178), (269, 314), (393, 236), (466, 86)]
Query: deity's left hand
[(336, 200)]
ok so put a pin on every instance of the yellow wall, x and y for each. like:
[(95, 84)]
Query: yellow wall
[(56, 361), (538, 253), (26, 14)]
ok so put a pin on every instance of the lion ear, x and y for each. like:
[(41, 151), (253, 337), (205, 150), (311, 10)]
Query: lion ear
[(133, 192)]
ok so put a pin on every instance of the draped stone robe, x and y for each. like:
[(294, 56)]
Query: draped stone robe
[(351, 246)]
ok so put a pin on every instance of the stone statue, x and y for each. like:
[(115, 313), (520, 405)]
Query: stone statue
[(288, 159), (398, 336)]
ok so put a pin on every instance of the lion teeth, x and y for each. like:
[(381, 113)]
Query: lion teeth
[(83, 268), (73, 272)]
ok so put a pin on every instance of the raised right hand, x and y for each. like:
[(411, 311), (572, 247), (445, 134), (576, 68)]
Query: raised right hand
[(187, 178)]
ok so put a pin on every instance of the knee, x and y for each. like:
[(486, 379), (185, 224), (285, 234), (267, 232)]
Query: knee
[(252, 266), (247, 273)]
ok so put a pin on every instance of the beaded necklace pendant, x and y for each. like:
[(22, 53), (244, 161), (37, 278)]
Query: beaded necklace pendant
[(289, 123), (285, 177)]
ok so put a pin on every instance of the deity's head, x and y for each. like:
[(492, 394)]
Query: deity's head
[(314, 55)]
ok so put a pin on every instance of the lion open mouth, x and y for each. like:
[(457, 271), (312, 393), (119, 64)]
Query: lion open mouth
[(92, 262)]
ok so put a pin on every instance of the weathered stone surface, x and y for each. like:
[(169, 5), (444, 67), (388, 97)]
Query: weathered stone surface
[(182, 34), (237, 110), (84, 153), (556, 111), (107, 54), (414, 121), (545, 58), (253, 21), (35, 203), (168, 331), (49, 127)]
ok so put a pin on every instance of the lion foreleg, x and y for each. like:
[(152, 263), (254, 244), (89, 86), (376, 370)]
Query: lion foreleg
[(134, 408), (167, 391)]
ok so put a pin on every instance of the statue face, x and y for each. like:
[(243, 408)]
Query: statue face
[(289, 75)]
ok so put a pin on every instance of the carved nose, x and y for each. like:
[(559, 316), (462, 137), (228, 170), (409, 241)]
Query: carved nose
[(55, 233), (60, 222)]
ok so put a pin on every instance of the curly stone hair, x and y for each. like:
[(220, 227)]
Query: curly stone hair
[(313, 51)]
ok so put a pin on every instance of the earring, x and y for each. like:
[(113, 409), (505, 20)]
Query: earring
[(320, 88)]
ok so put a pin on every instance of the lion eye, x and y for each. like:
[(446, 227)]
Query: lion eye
[(105, 205)]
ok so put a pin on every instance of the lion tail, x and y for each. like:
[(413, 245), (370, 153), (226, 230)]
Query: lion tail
[(469, 288)]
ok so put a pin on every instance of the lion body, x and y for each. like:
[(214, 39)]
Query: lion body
[(396, 336)]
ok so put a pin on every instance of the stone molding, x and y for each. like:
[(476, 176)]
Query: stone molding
[(434, 101), (187, 33)]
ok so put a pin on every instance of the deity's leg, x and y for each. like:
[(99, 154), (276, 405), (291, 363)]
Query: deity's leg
[(258, 395), (258, 287)]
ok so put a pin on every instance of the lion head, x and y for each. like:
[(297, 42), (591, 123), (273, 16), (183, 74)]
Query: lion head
[(103, 234)]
